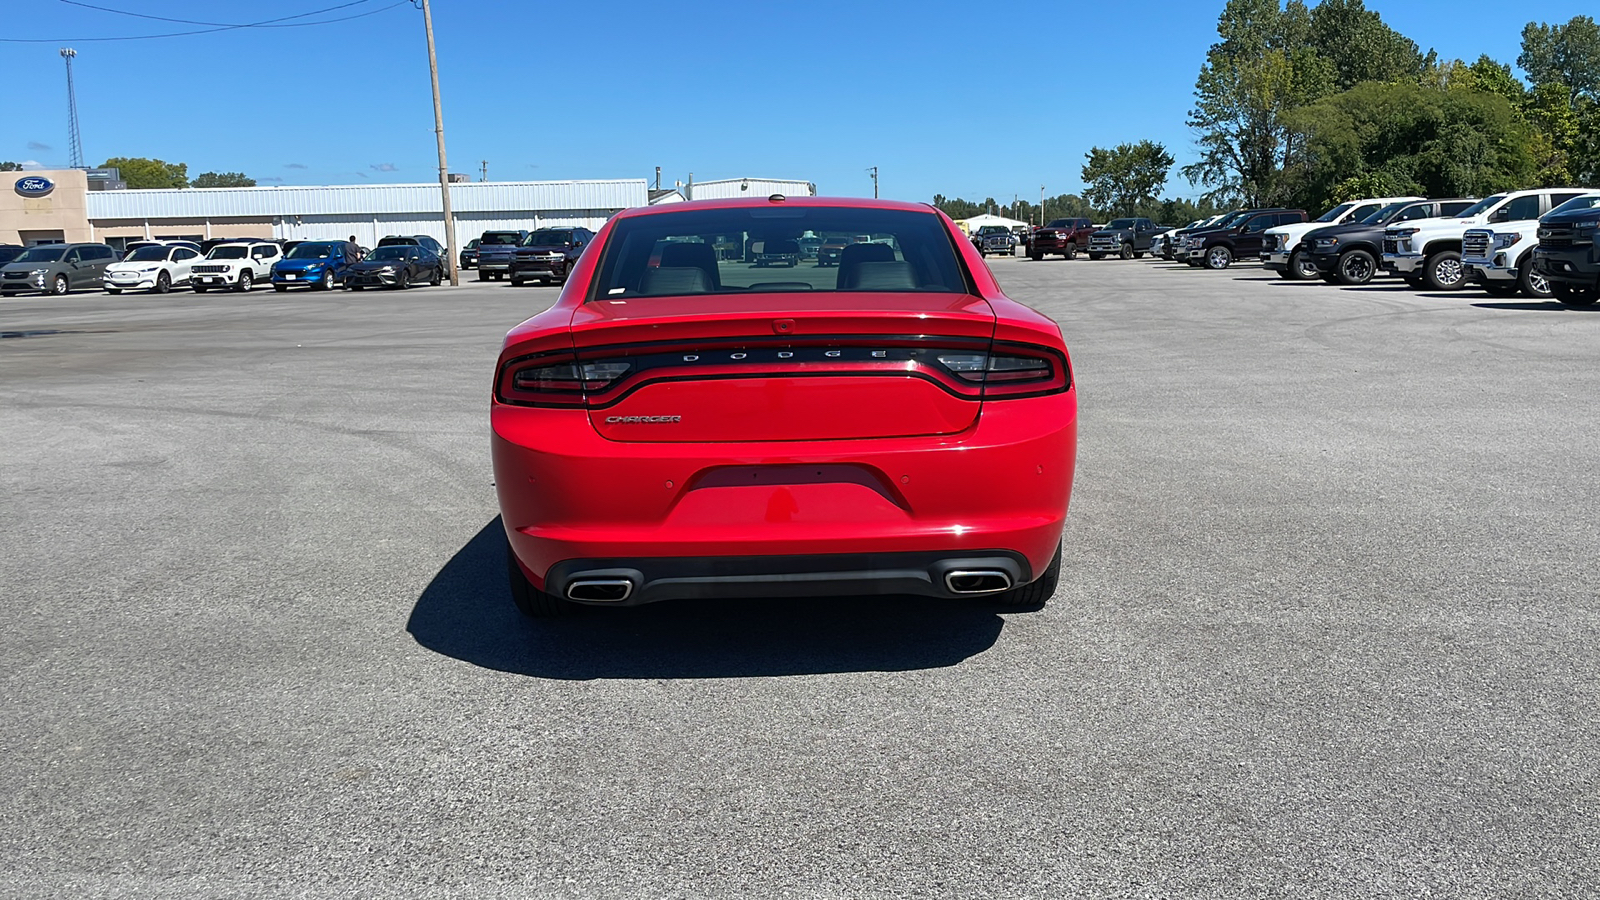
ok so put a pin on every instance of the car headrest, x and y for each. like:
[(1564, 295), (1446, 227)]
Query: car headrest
[(675, 280), (878, 276)]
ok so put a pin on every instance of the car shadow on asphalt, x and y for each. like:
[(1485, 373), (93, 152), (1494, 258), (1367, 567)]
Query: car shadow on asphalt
[(1548, 305), (466, 613)]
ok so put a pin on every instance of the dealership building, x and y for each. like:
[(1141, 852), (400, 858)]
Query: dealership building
[(67, 205)]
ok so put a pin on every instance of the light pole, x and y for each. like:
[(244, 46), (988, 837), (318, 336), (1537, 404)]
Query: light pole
[(438, 130), (874, 171)]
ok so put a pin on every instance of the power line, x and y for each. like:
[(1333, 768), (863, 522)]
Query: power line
[(124, 12), (265, 23)]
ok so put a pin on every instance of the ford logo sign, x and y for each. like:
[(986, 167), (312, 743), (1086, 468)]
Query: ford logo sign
[(35, 186)]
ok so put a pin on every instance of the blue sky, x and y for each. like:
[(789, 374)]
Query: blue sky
[(964, 99)]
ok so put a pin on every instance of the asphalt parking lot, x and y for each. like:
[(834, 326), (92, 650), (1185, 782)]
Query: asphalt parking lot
[(1327, 627)]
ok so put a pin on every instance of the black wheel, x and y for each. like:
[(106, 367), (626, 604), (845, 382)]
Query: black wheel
[(1035, 256), (1356, 267), (1035, 594), (247, 281), (515, 281), (1443, 271), (1501, 288), (1138, 254), (1072, 251), (200, 290), (163, 283), (1329, 278), (1531, 283), (1573, 295), (1301, 266), (327, 281), (534, 603), (983, 253), (113, 291), (281, 288), (482, 275), (438, 276), (1126, 252), (1219, 258), (1415, 282), (356, 287), (403, 280), (1093, 255), (60, 286)]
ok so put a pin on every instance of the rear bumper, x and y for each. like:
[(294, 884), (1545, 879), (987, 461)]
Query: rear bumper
[(924, 574), (570, 497)]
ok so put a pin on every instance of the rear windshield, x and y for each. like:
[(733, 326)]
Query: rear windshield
[(500, 237), (229, 251), (312, 251), (730, 250)]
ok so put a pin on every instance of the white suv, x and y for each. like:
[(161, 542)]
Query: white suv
[(1427, 252), (237, 266), (1281, 251), (1500, 258)]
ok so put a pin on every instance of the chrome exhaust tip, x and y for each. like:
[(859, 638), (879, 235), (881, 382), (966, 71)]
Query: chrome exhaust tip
[(977, 581), (600, 590)]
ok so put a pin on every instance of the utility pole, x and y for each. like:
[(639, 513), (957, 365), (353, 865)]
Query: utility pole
[(74, 139), (438, 129), (484, 169), (1041, 205), (874, 171)]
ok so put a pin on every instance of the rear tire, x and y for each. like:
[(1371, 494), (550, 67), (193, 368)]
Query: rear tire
[(532, 602), (1033, 595), (1574, 296)]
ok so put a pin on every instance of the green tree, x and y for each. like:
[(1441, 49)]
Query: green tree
[(1360, 46), (9, 166), (1127, 177), (141, 173), (222, 179), (1568, 55)]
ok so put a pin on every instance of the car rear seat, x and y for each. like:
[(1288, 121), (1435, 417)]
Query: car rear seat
[(692, 255), (855, 256)]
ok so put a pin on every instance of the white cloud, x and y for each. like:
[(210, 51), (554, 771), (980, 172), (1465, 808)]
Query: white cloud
[(32, 165)]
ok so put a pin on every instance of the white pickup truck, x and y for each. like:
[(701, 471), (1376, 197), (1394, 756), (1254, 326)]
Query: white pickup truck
[(1427, 252), (1501, 258), (235, 266), (1280, 248)]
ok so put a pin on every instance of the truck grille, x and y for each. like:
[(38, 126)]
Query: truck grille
[(1556, 237), (1475, 245), (1390, 245)]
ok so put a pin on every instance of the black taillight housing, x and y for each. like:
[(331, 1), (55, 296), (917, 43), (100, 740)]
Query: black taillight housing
[(557, 379), (1010, 370)]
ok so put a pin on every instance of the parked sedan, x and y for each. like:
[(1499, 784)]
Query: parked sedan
[(154, 267), (469, 254), (681, 426), (395, 266)]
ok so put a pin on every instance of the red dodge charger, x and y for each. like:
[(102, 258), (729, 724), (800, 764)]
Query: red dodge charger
[(682, 423)]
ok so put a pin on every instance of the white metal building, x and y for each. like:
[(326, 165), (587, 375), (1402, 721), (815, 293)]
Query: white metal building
[(368, 211), (748, 187)]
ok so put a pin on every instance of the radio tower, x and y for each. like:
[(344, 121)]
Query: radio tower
[(74, 141)]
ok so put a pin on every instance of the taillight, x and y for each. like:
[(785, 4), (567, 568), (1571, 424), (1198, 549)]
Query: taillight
[(1011, 370), (557, 379)]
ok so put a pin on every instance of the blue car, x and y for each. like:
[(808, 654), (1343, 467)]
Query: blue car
[(318, 265)]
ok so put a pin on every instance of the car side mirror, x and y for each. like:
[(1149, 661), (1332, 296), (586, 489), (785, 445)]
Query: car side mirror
[(576, 244)]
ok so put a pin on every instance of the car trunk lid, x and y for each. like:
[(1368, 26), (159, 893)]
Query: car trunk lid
[(781, 366)]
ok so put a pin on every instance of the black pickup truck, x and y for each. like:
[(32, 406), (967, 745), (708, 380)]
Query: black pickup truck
[(1219, 246), (1568, 255), (1349, 254), (1125, 238)]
